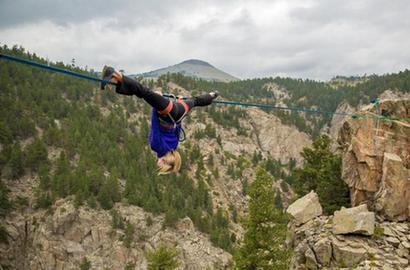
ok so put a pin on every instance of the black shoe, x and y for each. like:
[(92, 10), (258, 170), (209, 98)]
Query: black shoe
[(214, 94), (106, 75)]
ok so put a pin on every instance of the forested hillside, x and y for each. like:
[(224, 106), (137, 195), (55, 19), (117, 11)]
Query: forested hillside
[(72, 140), (308, 94)]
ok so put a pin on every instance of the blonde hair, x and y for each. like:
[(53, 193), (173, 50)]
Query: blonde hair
[(172, 163)]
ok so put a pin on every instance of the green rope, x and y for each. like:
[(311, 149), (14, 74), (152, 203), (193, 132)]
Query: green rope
[(222, 102)]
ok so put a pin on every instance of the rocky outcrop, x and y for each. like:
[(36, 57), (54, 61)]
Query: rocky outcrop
[(376, 160), (316, 245), (267, 135), (393, 198), (357, 220), (62, 240), (277, 139), (338, 120), (305, 208)]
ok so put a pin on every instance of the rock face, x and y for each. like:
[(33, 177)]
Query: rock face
[(268, 136), (305, 208), (347, 254), (316, 246), (376, 160), (277, 139), (323, 251), (357, 220), (338, 120), (393, 197), (63, 239)]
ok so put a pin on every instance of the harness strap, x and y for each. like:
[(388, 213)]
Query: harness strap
[(166, 124), (186, 107), (181, 100), (168, 109)]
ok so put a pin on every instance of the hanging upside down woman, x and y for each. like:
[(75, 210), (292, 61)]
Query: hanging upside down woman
[(166, 117)]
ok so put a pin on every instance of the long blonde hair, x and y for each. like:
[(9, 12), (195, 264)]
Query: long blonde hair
[(172, 163)]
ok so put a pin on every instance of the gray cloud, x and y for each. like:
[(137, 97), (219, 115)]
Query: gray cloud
[(300, 38)]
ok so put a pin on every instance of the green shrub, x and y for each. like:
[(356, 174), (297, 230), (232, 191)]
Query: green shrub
[(85, 264), (117, 220), (378, 232), (164, 258), (3, 235), (129, 234)]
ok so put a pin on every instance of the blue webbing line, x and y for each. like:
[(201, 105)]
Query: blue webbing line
[(268, 106), (55, 69)]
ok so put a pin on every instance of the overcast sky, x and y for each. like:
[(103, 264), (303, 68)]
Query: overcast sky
[(309, 38)]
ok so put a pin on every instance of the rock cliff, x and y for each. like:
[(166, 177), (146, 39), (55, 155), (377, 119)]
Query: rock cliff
[(376, 159), (372, 234), (63, 238), (351, 239)]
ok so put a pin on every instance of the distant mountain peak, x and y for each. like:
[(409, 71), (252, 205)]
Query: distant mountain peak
[(194, 68), (196, 62)]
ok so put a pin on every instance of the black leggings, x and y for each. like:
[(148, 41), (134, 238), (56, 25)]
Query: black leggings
[(130, 87)]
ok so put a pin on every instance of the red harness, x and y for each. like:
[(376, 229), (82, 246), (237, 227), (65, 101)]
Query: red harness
[(170, 106), (167, 111)]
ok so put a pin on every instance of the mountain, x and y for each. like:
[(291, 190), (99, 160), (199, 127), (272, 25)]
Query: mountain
[(194, 68)]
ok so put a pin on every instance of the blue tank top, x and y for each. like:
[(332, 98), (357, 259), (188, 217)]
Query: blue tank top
[(161, 139)]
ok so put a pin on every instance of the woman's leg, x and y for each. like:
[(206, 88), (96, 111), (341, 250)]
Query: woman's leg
[(201, 101), (128, 86)]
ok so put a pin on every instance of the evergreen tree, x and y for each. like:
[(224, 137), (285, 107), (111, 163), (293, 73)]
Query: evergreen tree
[(164, 258), (36, 154), (60, 184), (4, 235), (16, 162), (278, 200), (265, 229), (117, 220), (171, 217), (129, 235), (322, 173), (5, 204), (6, 136), (44, 176)]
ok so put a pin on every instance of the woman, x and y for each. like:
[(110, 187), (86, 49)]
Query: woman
[(165, 119)]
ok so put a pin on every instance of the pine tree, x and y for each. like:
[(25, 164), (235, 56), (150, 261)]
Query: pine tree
[(44, 176), (5, 204), (171, 217), (104, 198), (5, 134), (278, 200), (60, 184), (265, 229), (164, 258), (129, 234), (322, 173), (36, 154), (16, 162)]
